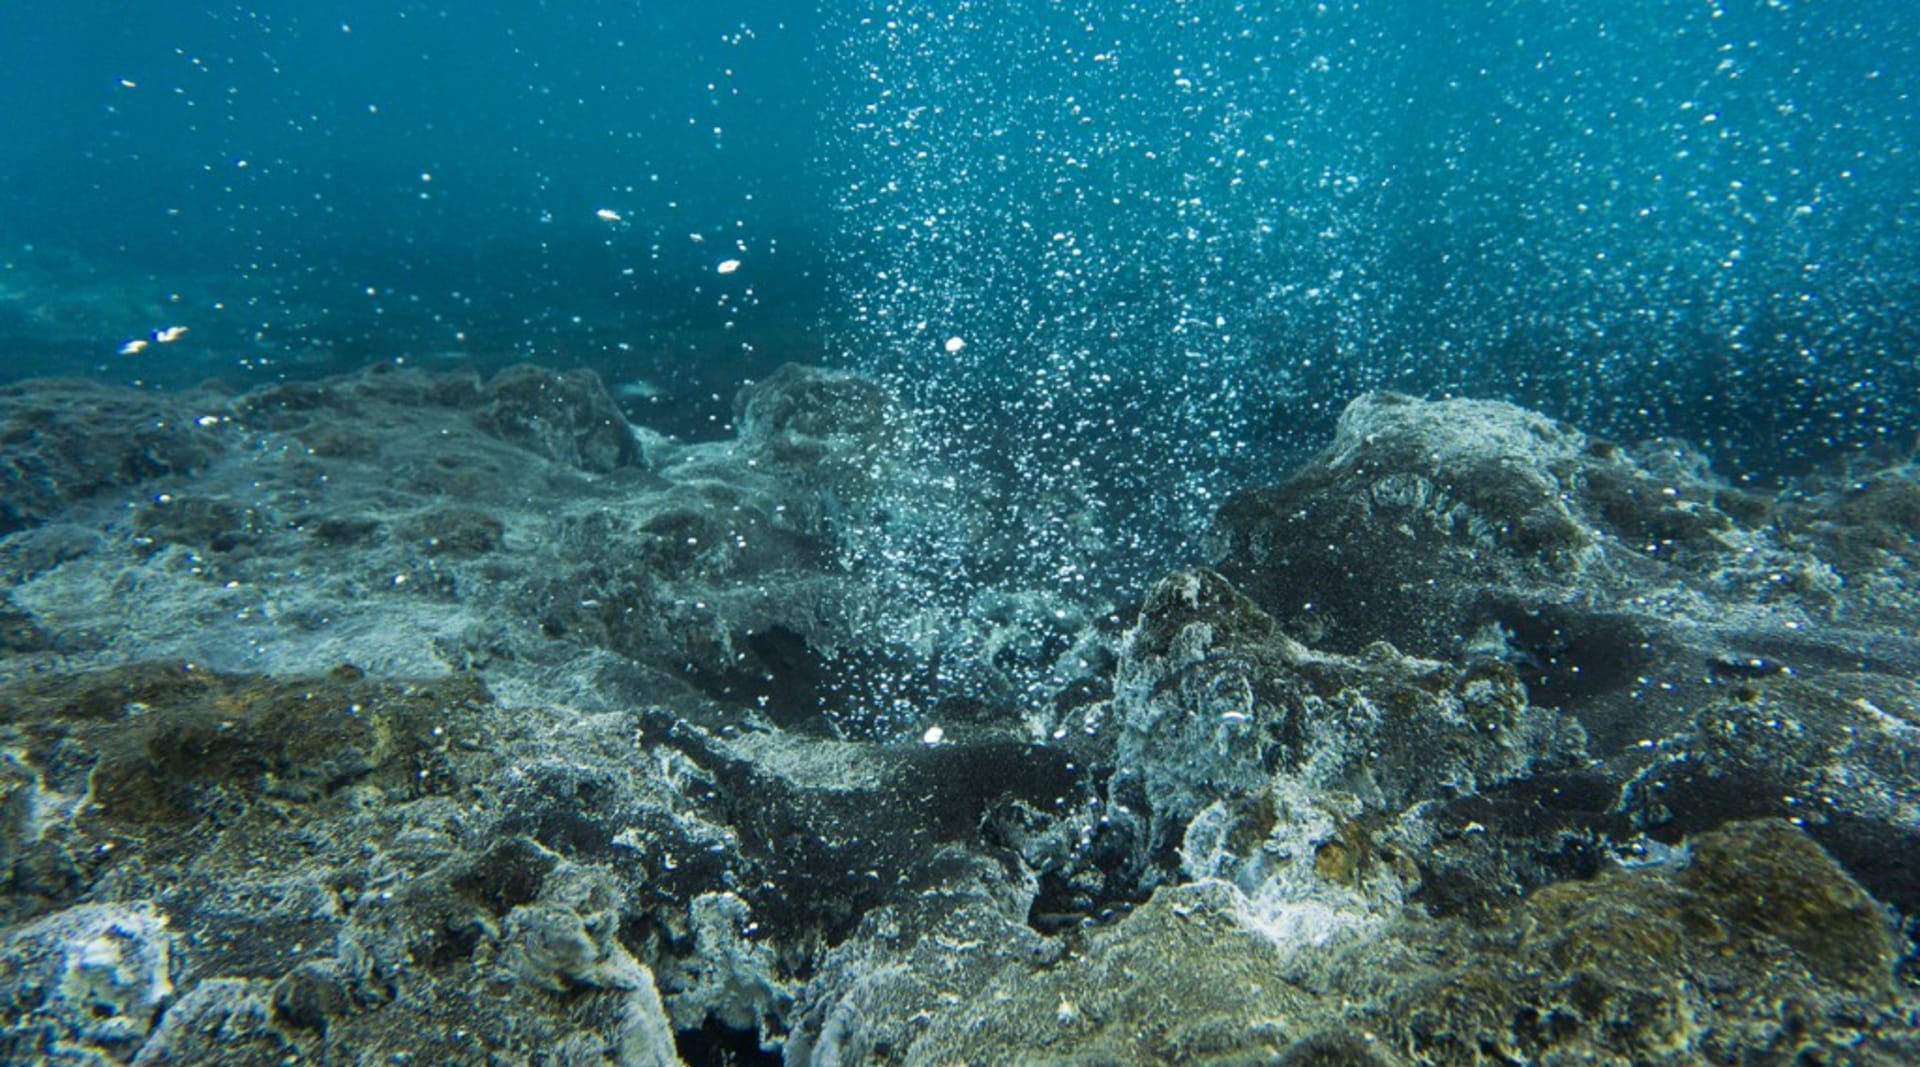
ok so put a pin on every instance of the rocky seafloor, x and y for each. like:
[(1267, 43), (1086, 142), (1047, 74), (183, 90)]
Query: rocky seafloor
[(425, 718)]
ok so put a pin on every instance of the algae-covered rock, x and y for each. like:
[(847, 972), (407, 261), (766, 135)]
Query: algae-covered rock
[(1619, 583), (169, 737), (1665, 965), (303, 868), (1649, 966), (1836, 757), (1456, 758)]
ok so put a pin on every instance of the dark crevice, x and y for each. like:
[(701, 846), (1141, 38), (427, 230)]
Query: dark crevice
[(715, 1045)]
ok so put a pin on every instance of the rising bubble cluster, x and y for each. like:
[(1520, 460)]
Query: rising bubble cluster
[(1123, 258)]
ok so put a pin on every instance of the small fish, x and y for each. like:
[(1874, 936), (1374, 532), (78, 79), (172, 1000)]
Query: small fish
[(164, 336), (1738, 666)]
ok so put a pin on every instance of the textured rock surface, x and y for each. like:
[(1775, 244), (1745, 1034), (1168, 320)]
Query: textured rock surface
[(84, 983), (1624, 583), (1648, 966), (1661, 608), (64, 441), (424, 718), (1215, 702)]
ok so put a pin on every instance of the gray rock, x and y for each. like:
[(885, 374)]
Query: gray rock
[(831, 422), (64, 441), (222, 1020), (566, 417), (85, 984), (1214, 702), (695, 750), (1623, 585)]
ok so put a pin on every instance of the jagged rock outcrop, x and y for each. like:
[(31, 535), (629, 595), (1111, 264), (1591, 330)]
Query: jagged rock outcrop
[(1632, 589), (64, 441), (1485, 742), (1623, 583)]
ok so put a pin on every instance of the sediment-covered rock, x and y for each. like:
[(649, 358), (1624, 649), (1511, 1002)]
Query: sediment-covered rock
[(1622, 583), (85, 984), (64, 441), (1485, 741), (1637, 966)]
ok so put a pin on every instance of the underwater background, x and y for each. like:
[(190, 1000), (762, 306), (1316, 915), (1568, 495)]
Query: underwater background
[(1122, 257), (994, 531)]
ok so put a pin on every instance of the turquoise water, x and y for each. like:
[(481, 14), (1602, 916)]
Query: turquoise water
[(1122, 257), (311, 191)]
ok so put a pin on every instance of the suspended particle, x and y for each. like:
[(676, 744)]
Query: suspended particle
[(728, 266)]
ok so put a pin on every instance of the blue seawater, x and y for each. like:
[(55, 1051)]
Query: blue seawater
[(1121, 257)]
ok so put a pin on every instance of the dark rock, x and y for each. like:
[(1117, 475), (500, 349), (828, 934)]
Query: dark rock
[(20, 633), (1478, 854), (65, 441), (453, 531), (340, 530), (18, 786), (1835, 757), (207, 525), (567, 417), (310, 995), (1619, 583), (832, 424)]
